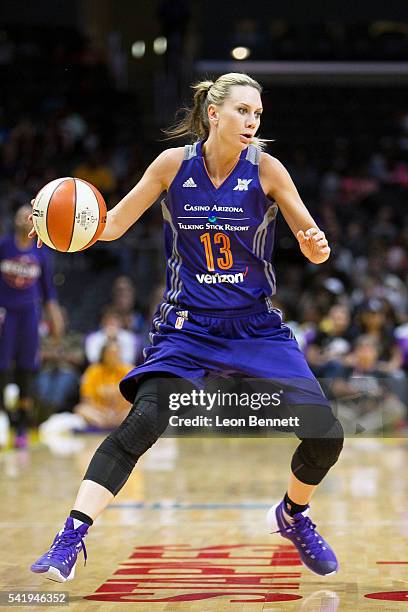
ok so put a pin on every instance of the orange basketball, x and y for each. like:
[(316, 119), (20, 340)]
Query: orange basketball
[(69, 214)]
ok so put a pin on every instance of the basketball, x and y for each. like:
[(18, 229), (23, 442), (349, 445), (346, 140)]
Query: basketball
[(69, 214)]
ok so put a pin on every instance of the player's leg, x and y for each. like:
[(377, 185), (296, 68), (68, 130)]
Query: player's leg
[(25, 383), (299, 492), (27, 364), (8, 325), (278, 361), (322, 441), (108, 471)]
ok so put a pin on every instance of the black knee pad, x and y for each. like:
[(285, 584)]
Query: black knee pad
[(145, 422), (315, 456), (116, 457), (140, 430)]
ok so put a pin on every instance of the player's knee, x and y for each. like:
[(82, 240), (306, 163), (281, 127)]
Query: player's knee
[(323, 452), (315, 456), (147, 420), (118, 454), (327, 449), (139, 431)]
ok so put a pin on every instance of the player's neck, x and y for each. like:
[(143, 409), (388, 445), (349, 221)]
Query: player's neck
[(219, 159)]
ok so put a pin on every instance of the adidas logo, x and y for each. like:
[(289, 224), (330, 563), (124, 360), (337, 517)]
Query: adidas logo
[(189, 183)]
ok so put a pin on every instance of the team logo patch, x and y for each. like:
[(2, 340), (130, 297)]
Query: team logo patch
[(242, 185), (189, 183), (179, 322)]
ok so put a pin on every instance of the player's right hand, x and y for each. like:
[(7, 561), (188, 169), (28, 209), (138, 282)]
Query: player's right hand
[(33, 232)]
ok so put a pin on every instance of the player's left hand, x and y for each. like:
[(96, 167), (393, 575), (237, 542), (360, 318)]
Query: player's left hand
[(314, 245), (33, 233)]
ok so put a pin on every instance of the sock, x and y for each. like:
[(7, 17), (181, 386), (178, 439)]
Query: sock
[(292, 508), (80, 517)]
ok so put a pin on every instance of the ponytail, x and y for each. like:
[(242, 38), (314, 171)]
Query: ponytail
[(194, 124)]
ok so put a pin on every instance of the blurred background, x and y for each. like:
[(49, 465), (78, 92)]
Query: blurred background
[(87, 86)]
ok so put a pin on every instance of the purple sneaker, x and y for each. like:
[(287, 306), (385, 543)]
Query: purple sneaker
[(314, 551), (59, 562)]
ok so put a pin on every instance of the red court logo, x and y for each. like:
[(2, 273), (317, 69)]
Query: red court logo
[(245, 573)]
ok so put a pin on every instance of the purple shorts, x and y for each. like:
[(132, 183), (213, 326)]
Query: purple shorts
[(19, 342), (254, 344)]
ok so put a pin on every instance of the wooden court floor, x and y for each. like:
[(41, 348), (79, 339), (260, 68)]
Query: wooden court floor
[(188, 530)]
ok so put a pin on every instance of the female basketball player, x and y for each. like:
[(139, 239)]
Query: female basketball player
[(26, 282), (217, 315)]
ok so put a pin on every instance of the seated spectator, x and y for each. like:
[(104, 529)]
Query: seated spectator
[(124, 304), (363, 394), (332, 342), (111, 329), (376, 319), (101, 403), (62, 362)]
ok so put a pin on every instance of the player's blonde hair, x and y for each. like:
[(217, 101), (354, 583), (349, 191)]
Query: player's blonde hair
[(195, 123)]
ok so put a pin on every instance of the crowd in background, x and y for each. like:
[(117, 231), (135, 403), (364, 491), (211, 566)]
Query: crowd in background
[(350, 316)]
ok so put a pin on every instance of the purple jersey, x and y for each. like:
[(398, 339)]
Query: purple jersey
[(25, 275), (218, 241)]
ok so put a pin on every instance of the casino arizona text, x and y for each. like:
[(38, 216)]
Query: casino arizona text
[(214, 208)]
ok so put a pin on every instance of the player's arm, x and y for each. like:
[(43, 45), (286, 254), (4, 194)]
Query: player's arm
[(155, 180), (277, 184), (144, 194)]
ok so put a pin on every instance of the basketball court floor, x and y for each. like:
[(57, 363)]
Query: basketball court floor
[(188, 530)]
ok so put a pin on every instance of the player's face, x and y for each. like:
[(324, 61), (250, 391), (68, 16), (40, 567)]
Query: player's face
[(240, 115)]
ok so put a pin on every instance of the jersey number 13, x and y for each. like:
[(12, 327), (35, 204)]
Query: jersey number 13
[(224, 262)]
